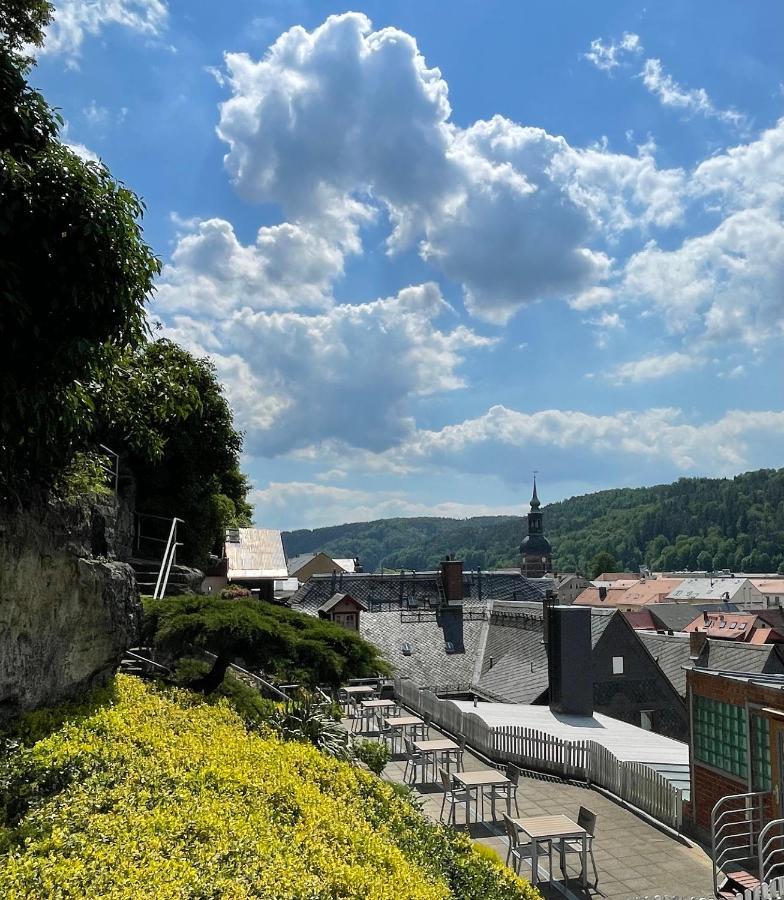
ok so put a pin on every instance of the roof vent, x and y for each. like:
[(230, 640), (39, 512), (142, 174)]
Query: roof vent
[(233, 535), (406, 649)]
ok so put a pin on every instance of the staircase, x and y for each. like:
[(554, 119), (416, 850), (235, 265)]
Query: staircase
[(737, 821), (182, 580), (138, 661)]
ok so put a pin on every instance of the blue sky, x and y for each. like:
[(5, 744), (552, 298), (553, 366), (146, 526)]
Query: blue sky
[(434, 246)]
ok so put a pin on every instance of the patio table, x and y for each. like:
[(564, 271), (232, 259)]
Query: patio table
[(432, 749), (555, 828), (370, 706), (359, 689), (476, 781), (398, 725)]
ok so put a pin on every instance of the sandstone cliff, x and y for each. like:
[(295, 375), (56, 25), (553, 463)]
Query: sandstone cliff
[(67, 610)]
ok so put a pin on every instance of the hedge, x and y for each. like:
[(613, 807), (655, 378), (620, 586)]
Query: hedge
[(158, 794)]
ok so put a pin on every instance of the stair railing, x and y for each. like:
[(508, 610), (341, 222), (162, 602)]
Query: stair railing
[(771, 850), (736, 826), (168, 559)]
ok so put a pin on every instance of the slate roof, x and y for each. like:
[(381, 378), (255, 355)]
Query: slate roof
[(337, 598), (671, 652), (429, 664), (380, 591), (514, 642), (676, 616)]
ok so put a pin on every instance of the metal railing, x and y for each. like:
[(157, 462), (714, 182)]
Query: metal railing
[(113, 471), (770, 890), (168, 559), (634, 782), (770, 850), (736, 824)]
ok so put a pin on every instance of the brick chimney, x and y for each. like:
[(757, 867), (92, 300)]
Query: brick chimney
[(452, 579)]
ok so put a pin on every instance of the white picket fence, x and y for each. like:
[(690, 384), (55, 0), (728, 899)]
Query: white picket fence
[(773, 890), (528, 748)]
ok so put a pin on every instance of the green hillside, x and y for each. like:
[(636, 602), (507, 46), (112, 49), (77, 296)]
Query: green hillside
[(694, 523)]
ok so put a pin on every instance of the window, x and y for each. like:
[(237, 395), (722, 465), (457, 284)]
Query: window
[(760, 753), (646, 719), (720, 735), (617, 665)]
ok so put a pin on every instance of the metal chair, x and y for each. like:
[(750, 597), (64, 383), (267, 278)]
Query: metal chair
[(587, 820), (517, 852), (456, 755), (385, 732), (413, 758), (506, 792), (453, 795)]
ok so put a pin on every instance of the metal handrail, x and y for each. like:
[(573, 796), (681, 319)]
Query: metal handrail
[(724, 831), (764, 844), (167, 561)]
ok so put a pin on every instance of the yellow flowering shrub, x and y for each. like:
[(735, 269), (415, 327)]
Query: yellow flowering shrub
[(158, 795)]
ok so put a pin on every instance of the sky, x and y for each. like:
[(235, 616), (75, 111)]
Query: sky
[(433, 247)]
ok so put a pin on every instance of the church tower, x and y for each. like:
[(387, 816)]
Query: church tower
[(535, 552)]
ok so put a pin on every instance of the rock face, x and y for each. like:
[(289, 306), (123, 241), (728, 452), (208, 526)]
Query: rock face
[(67, 613)]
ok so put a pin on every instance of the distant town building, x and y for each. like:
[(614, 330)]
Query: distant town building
[(536, 555), (252, 557), (320, 563), (739, 591), (772, 589), (569, 585), (741, 627)]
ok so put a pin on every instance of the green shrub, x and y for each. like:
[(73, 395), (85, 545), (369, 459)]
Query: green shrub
[(375, 755), (159, 794), (254, 709), (308, 720)]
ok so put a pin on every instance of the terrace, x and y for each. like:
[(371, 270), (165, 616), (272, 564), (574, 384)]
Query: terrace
[(634, 856)]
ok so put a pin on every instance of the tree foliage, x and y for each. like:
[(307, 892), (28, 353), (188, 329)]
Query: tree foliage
[(694, 523), (278, 641), (164, 410), (75, 272)]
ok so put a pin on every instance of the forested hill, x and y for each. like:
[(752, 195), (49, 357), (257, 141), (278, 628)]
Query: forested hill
[(695, 523)]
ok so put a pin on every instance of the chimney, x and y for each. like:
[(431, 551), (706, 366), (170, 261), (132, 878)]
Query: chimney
[(452, 579), (602, 593), (697, 641), (569, 660)]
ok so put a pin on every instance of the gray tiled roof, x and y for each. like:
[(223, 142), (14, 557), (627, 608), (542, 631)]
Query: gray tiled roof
[(386, 590), (671, 652), (429, 664), (391, 621), (515, 645), (676, 616)]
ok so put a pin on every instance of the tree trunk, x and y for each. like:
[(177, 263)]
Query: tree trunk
[(213, 679)]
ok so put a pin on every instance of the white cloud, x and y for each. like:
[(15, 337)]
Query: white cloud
[(655, 436), (728, 284), (288, 266), (350, 373), (747, 175), (607, 55), (691, 100), (296, 502), (76, 19), (653, 367), (344, 118), (83, 152)]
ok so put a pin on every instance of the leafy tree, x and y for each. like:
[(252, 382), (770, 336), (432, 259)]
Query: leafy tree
[(281, 642), (165, 410), (74, 272), (602, 562)]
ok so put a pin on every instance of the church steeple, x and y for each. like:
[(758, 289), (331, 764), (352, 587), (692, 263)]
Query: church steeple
[(535, 500), (535, 551)]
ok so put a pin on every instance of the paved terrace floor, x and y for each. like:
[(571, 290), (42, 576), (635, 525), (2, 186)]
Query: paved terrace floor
[(634, 858)]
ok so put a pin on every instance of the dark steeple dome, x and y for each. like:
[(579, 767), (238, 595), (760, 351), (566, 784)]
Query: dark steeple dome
[(535, 551)]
